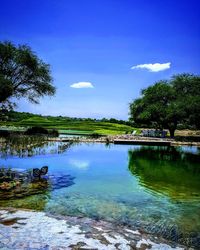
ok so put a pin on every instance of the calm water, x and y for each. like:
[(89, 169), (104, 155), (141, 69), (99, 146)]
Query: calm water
[(154, 188)]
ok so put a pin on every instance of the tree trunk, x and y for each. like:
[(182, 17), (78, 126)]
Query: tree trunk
[(172, 126), (172, 131)]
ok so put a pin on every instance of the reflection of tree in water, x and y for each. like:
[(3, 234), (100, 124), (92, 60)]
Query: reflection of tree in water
[(167, 170), (64, 147), (28, 193), (24, 146), (174, 173)]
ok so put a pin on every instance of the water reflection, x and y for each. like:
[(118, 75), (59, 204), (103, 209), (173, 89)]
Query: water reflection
[(23, 146), (80, 164), (170, 171), (104, 189), (30, 194), (34, 194)]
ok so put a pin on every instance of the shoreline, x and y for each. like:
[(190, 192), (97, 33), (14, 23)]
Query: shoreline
[(128, 140), (28, 229)]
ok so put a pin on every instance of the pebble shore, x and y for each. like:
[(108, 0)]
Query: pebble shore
[(126, 139), (31, 230)]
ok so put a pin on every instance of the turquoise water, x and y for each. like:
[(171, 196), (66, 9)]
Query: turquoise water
[(154, 188)]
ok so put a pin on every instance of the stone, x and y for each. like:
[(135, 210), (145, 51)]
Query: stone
[(37, 230)]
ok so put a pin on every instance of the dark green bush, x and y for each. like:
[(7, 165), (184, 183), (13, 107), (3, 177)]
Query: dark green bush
[(36, 131), (54, 132), (4, 133), (95, 135)]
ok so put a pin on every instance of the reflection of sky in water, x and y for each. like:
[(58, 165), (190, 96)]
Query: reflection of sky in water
[(81, 164), (105, 188), (190, 149)]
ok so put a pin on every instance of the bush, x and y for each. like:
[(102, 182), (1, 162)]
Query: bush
[(4, 133), (54, 132), (95, 135), (36, 131)]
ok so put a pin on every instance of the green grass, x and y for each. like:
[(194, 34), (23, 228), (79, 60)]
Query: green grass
[(73, 126), (75, 132)]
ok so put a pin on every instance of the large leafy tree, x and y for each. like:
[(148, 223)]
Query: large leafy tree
[(168, 103), (187, 89), (23, 74)]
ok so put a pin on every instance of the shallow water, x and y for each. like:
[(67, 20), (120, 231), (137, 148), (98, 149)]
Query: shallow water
[(154, 188)]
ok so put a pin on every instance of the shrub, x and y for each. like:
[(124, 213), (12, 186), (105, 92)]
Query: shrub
[(95, 135), (54, 132), (36, 131), (4, 133)]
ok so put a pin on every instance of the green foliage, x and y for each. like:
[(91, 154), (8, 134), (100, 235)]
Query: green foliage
[(95, 135), (64, 125), (4, 133), (36, 131), (23, 74), (187, 88), (53, 132), (6, 88), (168, 103)]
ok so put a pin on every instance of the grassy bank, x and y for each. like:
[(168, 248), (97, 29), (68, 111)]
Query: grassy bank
[(71, 126)]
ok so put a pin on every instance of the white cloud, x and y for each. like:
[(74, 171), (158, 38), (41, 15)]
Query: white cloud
[(79, 85), (153, 67)]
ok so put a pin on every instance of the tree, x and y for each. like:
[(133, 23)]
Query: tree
[(23, 74), (168, 103), (187, 89), (6, 89)]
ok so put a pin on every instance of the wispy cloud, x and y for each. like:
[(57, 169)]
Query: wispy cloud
[(79, 85), (153, 67)]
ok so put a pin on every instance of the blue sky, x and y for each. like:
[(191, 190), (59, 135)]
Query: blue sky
[(99, 41)]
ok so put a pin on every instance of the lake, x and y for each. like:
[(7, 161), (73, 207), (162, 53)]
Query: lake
[(156, 189)]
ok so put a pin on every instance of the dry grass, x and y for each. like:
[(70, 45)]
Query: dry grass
[(187, 132)]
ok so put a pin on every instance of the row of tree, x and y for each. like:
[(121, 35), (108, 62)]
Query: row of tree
[(168, 103)]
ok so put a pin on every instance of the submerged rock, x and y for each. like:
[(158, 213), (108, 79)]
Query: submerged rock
[(24, 185), (37, 230)]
